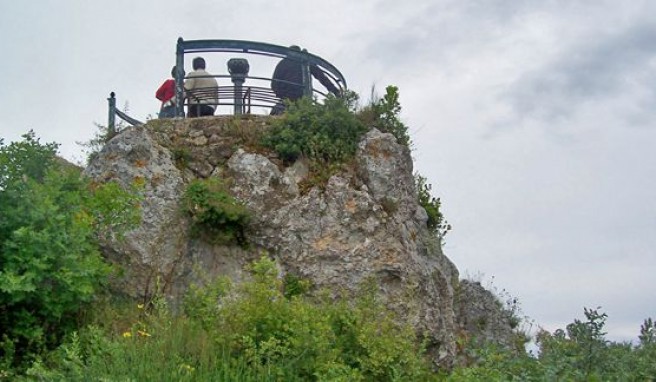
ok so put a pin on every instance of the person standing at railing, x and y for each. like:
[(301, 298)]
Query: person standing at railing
[(202, 91), (166, 94), (287, 81)]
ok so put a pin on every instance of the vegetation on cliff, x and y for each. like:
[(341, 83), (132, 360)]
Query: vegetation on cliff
[(50, 262), (57, 322)]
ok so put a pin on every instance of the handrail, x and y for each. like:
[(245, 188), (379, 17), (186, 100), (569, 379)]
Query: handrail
[(113, 112), (241, 96), (307, 61), (261, 48)]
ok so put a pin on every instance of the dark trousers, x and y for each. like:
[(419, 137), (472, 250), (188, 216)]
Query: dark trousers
[(199, 110), (167, 112)]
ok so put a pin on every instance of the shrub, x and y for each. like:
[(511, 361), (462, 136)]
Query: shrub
[(436, 222), (578, 353), (384, 114), (214, 212), (324, 133), (292, 335), (50, 264), (246, 332)]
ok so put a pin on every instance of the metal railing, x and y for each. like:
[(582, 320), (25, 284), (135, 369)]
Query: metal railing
[(244, 97), (114, 112)]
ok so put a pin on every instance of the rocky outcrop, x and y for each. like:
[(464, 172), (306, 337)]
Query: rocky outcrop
[(363, 224), (482, 317)]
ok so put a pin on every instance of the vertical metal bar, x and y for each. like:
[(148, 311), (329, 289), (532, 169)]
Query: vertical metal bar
[(239, 105), (307, 79), (307, 76), (111, 120), (247, 95), (179, 79)]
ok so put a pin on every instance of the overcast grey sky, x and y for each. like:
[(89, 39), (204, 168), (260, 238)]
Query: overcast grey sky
[(534, 120)]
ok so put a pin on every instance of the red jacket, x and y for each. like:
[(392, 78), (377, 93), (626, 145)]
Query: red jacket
[(166, 91)]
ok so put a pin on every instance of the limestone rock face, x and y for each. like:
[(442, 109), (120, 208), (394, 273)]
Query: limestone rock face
[(484, 318), (364, 224)]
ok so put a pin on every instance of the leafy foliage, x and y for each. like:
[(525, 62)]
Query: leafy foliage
[(50, 265), (324, 133), (214, 212), (28, 159), (250, 332), (581, 351), (384, 114), (578, 353), (436, 222)]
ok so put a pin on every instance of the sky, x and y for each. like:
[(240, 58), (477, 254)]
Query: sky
[(533, 120)]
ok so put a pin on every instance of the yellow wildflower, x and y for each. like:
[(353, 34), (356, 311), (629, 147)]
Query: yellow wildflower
[(127, 334)]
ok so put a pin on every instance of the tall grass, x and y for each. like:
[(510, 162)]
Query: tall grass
[(257, 331)]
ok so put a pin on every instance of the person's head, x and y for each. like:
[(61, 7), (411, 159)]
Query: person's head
[(295, 47), (173, 72), (198, 63)]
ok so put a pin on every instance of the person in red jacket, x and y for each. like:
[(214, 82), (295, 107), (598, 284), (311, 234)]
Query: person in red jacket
[(166, 94)]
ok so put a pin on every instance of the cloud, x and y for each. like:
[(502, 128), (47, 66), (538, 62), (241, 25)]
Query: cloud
[(601, 69)]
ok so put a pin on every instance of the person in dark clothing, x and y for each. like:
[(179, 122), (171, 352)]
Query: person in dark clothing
[(287, 81)]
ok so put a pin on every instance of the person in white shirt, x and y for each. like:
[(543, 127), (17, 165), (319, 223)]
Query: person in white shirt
[(202, 91)]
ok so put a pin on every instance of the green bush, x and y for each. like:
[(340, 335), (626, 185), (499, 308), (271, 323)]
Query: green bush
[(215, 214), (578, 353), (246, 332), (306, 339), (50, 264), (324, 133), (436, 222), (384, 114), (581, 352)]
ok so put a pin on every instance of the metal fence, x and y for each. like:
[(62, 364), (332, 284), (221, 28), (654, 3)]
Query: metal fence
[(114, 112), (247, 93)]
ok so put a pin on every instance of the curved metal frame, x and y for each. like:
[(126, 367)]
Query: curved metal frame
[(242, 46)]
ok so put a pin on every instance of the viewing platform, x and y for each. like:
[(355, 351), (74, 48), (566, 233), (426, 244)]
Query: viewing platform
[(247, 83)]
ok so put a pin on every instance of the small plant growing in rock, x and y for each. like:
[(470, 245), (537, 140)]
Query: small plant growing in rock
[(215, 214), (384, 114), (181, 157), (436, 222)]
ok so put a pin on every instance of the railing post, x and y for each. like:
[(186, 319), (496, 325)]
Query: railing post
[(307, 76), (179, 79), (111, 120), (238, 69)]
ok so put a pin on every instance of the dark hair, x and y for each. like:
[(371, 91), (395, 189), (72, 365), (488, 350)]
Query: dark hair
[(198, 63), (173, 72)]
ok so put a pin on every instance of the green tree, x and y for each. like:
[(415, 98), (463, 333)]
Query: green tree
[(50, 264)]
